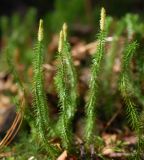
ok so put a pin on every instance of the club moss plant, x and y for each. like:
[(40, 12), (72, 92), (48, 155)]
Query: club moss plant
[(66, 87), (40, 104), (66, 84), (93, 84), (127, 94)]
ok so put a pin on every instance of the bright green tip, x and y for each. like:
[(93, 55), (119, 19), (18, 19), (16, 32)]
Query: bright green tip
[(40, 31), (65, 31), (102, 20)]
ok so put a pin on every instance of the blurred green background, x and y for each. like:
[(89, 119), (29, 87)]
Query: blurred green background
[(117, 8)]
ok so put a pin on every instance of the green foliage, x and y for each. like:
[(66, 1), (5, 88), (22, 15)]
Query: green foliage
[(66, 84), (131, 21), (93, 89), (18, 33), (40, 103), (93, 84), (107, 71), (125, 87), (127, 93), (109, 60)]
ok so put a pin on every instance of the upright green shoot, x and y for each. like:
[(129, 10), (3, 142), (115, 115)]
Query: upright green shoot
[(93, 84), (65, 81), (127, 93), (71, 73), (40, 103)]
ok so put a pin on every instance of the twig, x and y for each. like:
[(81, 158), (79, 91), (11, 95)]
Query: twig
[(11, 133), (113, 118)]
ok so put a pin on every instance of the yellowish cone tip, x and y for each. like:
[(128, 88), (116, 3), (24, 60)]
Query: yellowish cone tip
[(40, 31), (64, 28), (60, 41), (102, 20)]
